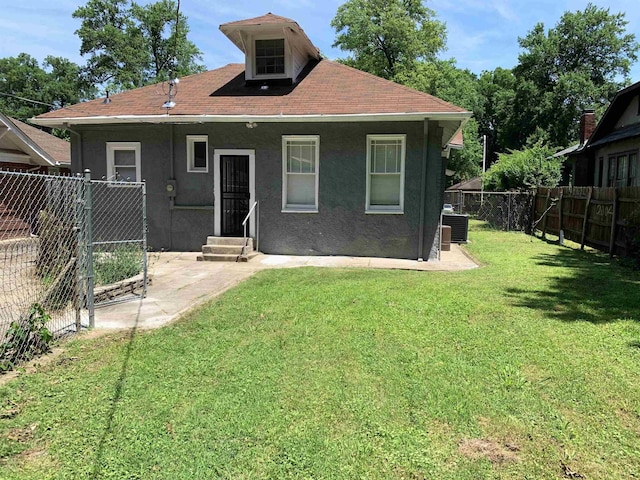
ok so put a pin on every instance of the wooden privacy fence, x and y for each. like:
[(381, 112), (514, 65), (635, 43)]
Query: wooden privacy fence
[(602, 218)]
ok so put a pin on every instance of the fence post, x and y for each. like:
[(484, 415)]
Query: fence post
[(585, 220), (560, 209), (88, 214), (544, 221), (509, 212), (614, 223), (80, 237), (144, 239)]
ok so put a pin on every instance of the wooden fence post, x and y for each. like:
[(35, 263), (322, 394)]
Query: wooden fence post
[(544, 220), (614, 223), (585, 220), (560, 207)]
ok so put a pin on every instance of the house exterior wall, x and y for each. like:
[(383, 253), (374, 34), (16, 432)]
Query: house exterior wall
[(340, 227), (631, 145)]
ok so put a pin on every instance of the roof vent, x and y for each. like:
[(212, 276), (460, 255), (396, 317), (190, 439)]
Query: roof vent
[(173, 90)]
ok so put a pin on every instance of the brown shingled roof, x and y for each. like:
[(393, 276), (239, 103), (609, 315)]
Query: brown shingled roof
[(57, 148), (326, 88), (267, 19)]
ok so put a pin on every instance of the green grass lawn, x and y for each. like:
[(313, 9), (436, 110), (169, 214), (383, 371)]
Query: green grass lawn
[(526, 368)]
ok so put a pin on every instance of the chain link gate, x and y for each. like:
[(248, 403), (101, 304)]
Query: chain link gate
[(66, 245)]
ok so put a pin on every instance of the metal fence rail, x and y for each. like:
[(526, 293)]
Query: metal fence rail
[(501, 210), (58, 236)]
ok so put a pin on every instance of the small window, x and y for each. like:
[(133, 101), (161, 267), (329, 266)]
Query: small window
[(197, 154), (385, 173), (300, 173), (599, 173), (611, 172), (621, 177), (633, 170), (270, 57), (123, 161)]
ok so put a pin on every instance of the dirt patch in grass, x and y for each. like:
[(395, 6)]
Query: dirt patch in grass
[(496, 452), (23, 434)]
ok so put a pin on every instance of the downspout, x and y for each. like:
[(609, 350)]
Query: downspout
[(172, 198), (79, 135), (423, 190)]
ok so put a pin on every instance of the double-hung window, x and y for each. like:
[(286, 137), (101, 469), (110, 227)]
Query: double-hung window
[(197, 153), (270, 57), (123, 161), (385, 173), (300, 173)]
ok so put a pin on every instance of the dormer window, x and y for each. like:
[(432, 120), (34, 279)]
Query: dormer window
[(270, 57)]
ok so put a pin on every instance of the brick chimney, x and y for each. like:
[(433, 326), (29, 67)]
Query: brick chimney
[(587, 125)]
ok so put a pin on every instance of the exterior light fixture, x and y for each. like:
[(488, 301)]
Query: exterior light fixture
[(251, 125)]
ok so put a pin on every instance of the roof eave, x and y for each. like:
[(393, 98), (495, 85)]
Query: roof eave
[(35, 149), (463, 117)]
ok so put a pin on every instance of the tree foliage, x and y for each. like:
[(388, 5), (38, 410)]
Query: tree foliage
[(578, 64), (388, 37), (524, 169), (443, 79), (130, 45), (56, 83)]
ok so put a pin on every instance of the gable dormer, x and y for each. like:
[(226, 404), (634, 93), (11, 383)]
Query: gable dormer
[(275, 47)]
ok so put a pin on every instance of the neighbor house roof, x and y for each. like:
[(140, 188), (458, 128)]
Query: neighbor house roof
[(615, 109), (42, 147), (472, 184), (326, 90)]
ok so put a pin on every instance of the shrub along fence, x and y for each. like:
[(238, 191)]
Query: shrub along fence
[(607, 219), (59, 238)]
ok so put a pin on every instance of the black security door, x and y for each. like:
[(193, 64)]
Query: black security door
[(234, 178)]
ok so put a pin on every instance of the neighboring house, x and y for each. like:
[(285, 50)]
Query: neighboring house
[(472, 185), (608, 153), (29, 149), (340, 161)]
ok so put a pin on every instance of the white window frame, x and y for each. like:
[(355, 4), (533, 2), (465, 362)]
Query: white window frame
[(386, 209), (293, 208), (250, 62), (191, 140), (255, 56), (112, 147)]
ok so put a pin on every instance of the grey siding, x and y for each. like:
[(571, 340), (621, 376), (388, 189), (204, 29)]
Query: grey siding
[(340, 227)]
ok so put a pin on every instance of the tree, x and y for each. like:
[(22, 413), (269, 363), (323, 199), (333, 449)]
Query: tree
[(497, 92), (444, 80), (578, 64), (388, 37), (531, 167), (130, 45), (31, 89)]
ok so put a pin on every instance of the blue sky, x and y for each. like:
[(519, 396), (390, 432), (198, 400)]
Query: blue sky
[(482, 35)]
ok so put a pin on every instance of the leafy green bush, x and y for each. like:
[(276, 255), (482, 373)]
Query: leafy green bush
[(124, 262), (26, 338), (524, 169)]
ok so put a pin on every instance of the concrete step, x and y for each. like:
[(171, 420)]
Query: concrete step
[(223, 249), (218, 257), (229, 241)]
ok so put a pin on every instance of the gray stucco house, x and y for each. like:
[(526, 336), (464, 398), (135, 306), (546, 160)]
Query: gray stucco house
[(340, 162)]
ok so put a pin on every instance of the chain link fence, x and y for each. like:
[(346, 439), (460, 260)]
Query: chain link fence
[(64, 241), (501, 210)]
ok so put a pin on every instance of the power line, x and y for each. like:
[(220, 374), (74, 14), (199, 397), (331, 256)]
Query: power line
[(27, 99)]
